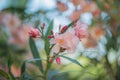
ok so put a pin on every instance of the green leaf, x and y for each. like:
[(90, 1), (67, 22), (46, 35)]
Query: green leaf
[(23, 67), (4, 74), (35, 54), (60, 76), (26, 76), (28, 61), (50, 27), (100, 4), (47, 44), (72, 60)]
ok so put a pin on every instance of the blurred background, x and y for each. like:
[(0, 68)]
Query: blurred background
[(99, 53)]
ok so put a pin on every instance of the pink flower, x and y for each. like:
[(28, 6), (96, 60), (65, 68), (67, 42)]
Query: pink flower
[(58, 61), (81, 30), (67, 40), (34, 32)]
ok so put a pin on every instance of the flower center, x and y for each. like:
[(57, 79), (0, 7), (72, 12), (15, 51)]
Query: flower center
[(61, 41)]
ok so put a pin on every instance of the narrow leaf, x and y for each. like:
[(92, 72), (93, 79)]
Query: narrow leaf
[(4, 74), (35, 54), (60, 76), (100, 4), (23, 67), (26, 76), (28, 61), (50, 27), (47, 44), (72, 60)]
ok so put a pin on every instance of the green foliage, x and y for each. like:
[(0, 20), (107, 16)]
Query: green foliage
[(35, 53), (50, 27), (4, 74), (47, 44), (26, 76), (23, 67), (72, 60)]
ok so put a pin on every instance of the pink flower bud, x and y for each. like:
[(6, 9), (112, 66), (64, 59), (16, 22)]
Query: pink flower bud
[(34, 32), (51, 36), (51, 60), (63, 29), (58, 61)]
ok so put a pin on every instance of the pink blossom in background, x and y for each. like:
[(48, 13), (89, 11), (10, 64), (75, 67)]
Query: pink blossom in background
[(81, 30), (76, 2), (75, 15), (97, 32), (11, 21), (61, 6), (89, 42), (67, 40), (19, 36), (34, 32), (15, 71)]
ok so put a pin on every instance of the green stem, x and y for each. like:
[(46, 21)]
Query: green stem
[(109, 68), (47, 68)]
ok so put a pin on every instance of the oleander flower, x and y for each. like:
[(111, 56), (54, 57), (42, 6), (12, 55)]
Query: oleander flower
[(34, 32), (67, 40), (81, 30)]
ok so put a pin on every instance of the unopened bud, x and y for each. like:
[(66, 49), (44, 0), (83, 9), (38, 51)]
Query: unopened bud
[(58, 61), (51, 36), (63, 29)]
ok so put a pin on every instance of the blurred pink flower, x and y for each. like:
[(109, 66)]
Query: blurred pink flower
[(19, 36), (58, 61), (61, 6), (76, 2), (11, 21), (34, 32), (15, 71), (81, 30), (89, 42), (97, 32), (75, 15), (67, 40)]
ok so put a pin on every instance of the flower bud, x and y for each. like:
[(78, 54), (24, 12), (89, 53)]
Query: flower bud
[(58, 61)]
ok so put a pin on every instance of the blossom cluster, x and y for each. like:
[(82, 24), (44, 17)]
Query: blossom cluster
[(65, 40)]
